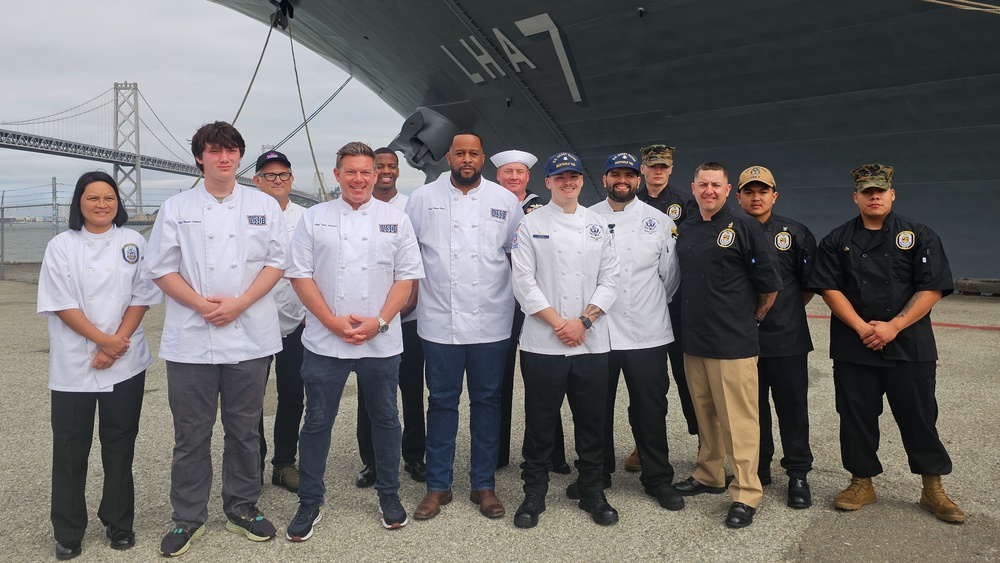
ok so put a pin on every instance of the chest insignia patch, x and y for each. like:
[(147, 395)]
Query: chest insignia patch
[(905, 240), (257, 220), (649, 225), (783, 240), (391, 228), (595, 231), (498, 213), (726, 238), (130, 252), (674, 211)]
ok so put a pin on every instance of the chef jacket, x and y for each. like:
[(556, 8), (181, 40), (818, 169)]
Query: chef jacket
[(399, 202), (649, 275), (785, 330), (354, 256), (878, 272), (565, 261), (291, 311), (466, 297), (99, 274), (725, 264), (219, 249)]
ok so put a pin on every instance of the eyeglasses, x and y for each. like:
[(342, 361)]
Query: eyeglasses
[(272, 176)]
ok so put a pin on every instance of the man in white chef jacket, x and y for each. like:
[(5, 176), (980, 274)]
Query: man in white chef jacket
[(565, 271), (216, 251), (640, 325), (465, 225)]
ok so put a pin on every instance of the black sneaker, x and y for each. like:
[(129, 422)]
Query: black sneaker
[(179, 539), (252, 524), (301, 526), (393, 515)]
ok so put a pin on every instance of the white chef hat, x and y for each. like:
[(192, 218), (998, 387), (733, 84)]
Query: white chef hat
[(506, 157)]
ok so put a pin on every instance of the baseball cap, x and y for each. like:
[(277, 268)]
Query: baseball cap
[(563, 162), (756, 174), (622, 160), (271, 156)]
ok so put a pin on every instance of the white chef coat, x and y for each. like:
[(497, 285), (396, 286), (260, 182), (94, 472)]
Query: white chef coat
[(99, 275), (649, 275), (399, 202), (291, 311), (219, 249), (354, 257), (466, 297), (565, 261)]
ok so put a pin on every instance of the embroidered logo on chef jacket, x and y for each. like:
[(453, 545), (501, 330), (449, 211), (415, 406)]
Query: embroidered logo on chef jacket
[(905, 240), (391, 228), (513, 244), (595, 231), (650, 225), (783, 240), (498, 213), (257, 220), (130, 252), (727, 237), (674, 211)]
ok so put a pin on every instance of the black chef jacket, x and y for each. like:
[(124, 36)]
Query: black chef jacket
[(785, 331)]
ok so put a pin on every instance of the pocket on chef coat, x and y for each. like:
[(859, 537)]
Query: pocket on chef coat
[(256, 241), (385, 250)]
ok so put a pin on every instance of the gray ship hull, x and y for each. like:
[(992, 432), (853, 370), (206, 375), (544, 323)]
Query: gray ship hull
[(809, 89)]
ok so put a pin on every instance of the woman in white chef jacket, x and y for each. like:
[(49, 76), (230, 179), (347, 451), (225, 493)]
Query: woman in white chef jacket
[(91, 289)]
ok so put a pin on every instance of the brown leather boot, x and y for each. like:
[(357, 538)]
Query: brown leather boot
[(632, 462), (934, 500), (489, 505), (431, 505), (859, 493)]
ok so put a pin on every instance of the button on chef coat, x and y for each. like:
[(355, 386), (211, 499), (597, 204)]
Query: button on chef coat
[(644, 239), (219, 249), (99, 274), (565, 261), (354, 256), (466, 297)]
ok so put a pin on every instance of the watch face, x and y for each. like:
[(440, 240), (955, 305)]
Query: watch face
[(383, 327)]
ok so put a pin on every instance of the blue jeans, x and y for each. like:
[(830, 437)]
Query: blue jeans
[(324, 378), (444, 366)]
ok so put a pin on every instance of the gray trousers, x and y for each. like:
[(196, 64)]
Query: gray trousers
[(193, 391)]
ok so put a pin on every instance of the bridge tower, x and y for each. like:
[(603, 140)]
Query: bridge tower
[(129, 178)]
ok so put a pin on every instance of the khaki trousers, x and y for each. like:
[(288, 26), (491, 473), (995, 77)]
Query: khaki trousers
[(725, 396)]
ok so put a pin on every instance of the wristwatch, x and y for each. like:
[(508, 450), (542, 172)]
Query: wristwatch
[(383, 327), (586, 322)]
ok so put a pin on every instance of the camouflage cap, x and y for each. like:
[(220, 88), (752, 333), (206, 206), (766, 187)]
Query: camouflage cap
[(657, 154), (872, 176), (756, 174)]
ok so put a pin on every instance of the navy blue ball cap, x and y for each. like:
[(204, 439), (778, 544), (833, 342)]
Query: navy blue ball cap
[(622, 160), (563, 162), (271, 156)]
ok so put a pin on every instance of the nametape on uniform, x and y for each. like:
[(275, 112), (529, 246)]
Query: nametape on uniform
[(392, 228), (498, 213), (257, 220), (539, 236)]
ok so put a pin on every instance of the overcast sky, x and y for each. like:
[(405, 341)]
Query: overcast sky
[(192, 60)]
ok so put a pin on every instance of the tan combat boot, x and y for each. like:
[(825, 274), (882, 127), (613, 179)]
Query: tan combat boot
[(934, 500), (632, 462), (859, 493)]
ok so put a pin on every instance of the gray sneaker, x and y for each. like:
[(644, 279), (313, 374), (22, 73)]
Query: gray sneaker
[(252, 524), (393, 515)]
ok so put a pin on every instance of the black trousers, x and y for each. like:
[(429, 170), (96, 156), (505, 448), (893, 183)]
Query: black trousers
[(72, 435), (507, 401), (676, 354), (787, 380), (291, 402), (548, 379), (646, 379), (411, 392), (909, 387)]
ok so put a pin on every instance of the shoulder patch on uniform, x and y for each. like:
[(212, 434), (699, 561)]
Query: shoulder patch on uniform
[(726, 238), (783, 240), (257, 220), (513, 243), (674, 211), (650, 225), (905, 240), (130, 252)]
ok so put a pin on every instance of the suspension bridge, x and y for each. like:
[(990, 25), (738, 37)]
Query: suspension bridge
[(82, 132)]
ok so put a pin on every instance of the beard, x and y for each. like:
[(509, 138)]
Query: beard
[(456, 175), (619, 197)]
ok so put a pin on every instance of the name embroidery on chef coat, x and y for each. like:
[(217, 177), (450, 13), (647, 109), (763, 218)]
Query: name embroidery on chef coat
[(649, 225), (674, 211), (130, 252), (905, 240), (783, 240), (257, 220), (727, 237)]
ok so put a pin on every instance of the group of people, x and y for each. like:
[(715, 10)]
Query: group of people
[(443, 287)]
